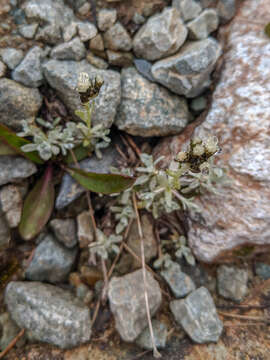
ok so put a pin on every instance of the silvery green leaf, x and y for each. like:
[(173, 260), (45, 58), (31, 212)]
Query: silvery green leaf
[(119, 228), (153, 183), (29, 147), (158, 159), (141, 180)]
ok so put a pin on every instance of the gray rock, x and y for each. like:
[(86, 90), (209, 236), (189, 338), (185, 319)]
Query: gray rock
[(65, 231), (86, 30), (239, 217), (232, 282), (189, 9), (85, 231), (150, 244), (50, 34), (262, 270), (51, 314), (17, 103), (63, 76), (106, 19), (84, 9), (28, 31), (3, 69), (71, 50), (29, 71), (84, 293), (49, 12), (187, 72), (121, 59), (4, 233), (14, 169), (8, 331), (203, 25), (148, 109), (11, 204), (70, 190), (198, 104), (138, 19), (52, 262), (96, 61), (226, 10), (97, 43), (11, 57), (70, 31), (128, 306), (208, 3), (161, 36), (117, 38), (198, 316), (180, 283), (144, 67), (160, 335)]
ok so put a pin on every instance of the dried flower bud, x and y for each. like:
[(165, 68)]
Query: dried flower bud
[(198, 150), (181, 156), (211, 145), (88, 89), (196, 140)]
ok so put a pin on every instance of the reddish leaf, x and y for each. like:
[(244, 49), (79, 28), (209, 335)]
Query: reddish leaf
[(38, 206)]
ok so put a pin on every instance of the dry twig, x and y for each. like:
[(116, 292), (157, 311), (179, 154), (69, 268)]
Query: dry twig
[(11, 344)]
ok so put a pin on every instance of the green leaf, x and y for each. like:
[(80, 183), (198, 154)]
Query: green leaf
[(80, 153), (101, 183), (267, 30), (9, 138), (6, 150), (38, 206)]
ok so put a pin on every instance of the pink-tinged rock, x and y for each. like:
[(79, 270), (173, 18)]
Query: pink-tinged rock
[(240, 117)]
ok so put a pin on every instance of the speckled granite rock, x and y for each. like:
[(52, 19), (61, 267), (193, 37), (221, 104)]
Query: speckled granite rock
[(187, 72), (148, 109), (117, 38), (161, 36), (48, 313), (71, 50), (15, 168), (17, 103), (239, 116), (232, 282)]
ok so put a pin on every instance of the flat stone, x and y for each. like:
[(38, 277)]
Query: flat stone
[(51, 314), (188, 9), (148, 109), (128, 306), (63, 77), (5, 235), (198, 316), (11, 204), (232, 282), (226, 10), (65, 231), (97, 43), (239, 217), (262, 270), (180, 283), (118, 58), (29, 71), (162, 35), (3, 69), (203, 25), (28, 31), (96, 61), (14, 169), (17, 103), (49, 12), (106, 18), (187, 72), (144, 67), (52, 262), (117, 38), (71, 50), (11, 57), (85, 230), (160, 332), (149, 240), (49, 34), (86, 30), (70, 190)]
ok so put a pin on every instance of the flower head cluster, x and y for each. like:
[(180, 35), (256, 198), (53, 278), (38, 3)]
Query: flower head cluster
[(105, 245)]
